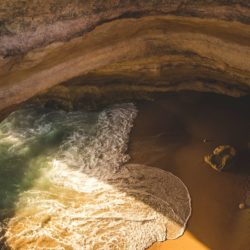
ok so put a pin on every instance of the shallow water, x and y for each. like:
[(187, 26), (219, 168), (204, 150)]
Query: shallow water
[(64, 185)]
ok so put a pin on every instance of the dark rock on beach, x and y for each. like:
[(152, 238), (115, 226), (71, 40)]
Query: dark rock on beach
[(223, 157)]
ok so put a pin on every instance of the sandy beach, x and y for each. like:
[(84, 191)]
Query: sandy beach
[(173, 132), (169, 134)]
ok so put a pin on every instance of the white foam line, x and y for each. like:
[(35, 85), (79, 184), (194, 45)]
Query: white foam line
[(99, 201)]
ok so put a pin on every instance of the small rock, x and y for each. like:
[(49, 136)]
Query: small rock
[(222, 157), (205, 140), (242, 206)]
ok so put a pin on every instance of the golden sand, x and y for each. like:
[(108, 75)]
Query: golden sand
[(169, 134)]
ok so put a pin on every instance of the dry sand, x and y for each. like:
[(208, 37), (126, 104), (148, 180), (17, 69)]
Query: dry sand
[(169, 134)]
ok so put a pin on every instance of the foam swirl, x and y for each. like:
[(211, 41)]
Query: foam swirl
[(80, 195)]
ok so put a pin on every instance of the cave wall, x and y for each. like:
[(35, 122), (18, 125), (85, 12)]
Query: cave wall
[(104, 48)]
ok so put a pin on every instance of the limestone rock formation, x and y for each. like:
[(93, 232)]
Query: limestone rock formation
[(223, 157), (122, 48)]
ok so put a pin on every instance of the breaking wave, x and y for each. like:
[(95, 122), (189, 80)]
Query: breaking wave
[(64, 185)]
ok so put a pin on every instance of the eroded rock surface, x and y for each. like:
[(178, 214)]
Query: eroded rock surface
[(122, 48), (30, 24)]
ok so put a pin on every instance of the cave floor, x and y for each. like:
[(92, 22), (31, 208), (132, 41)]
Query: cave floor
[(169, 134)]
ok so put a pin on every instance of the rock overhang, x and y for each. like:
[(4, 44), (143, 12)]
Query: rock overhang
[(177, 48)]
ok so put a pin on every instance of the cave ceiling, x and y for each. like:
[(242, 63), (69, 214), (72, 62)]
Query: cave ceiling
[(71, 49)]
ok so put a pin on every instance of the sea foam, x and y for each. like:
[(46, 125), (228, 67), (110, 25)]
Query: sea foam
[(82, 195)]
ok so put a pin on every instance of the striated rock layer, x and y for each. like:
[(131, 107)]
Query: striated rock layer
[(30, 24), (122, 48)]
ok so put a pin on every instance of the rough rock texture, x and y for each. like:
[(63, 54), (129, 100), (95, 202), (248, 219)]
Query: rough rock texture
[(223, 157), (122, 47), (29, 24)]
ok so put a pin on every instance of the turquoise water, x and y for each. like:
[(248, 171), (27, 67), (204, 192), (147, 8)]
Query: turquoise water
[(28, 137), (64, 185)]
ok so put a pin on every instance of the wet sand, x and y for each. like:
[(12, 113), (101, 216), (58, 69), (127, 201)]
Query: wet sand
[(169, 133)]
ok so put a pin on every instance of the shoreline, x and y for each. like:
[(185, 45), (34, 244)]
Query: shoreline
[(168, 134)]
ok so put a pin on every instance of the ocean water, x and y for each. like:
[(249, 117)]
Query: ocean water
[(65, 184)]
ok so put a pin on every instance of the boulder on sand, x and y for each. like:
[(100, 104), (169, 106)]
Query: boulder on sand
[(223, 157)]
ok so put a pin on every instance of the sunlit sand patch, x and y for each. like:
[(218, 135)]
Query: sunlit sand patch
[(82, 195)]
